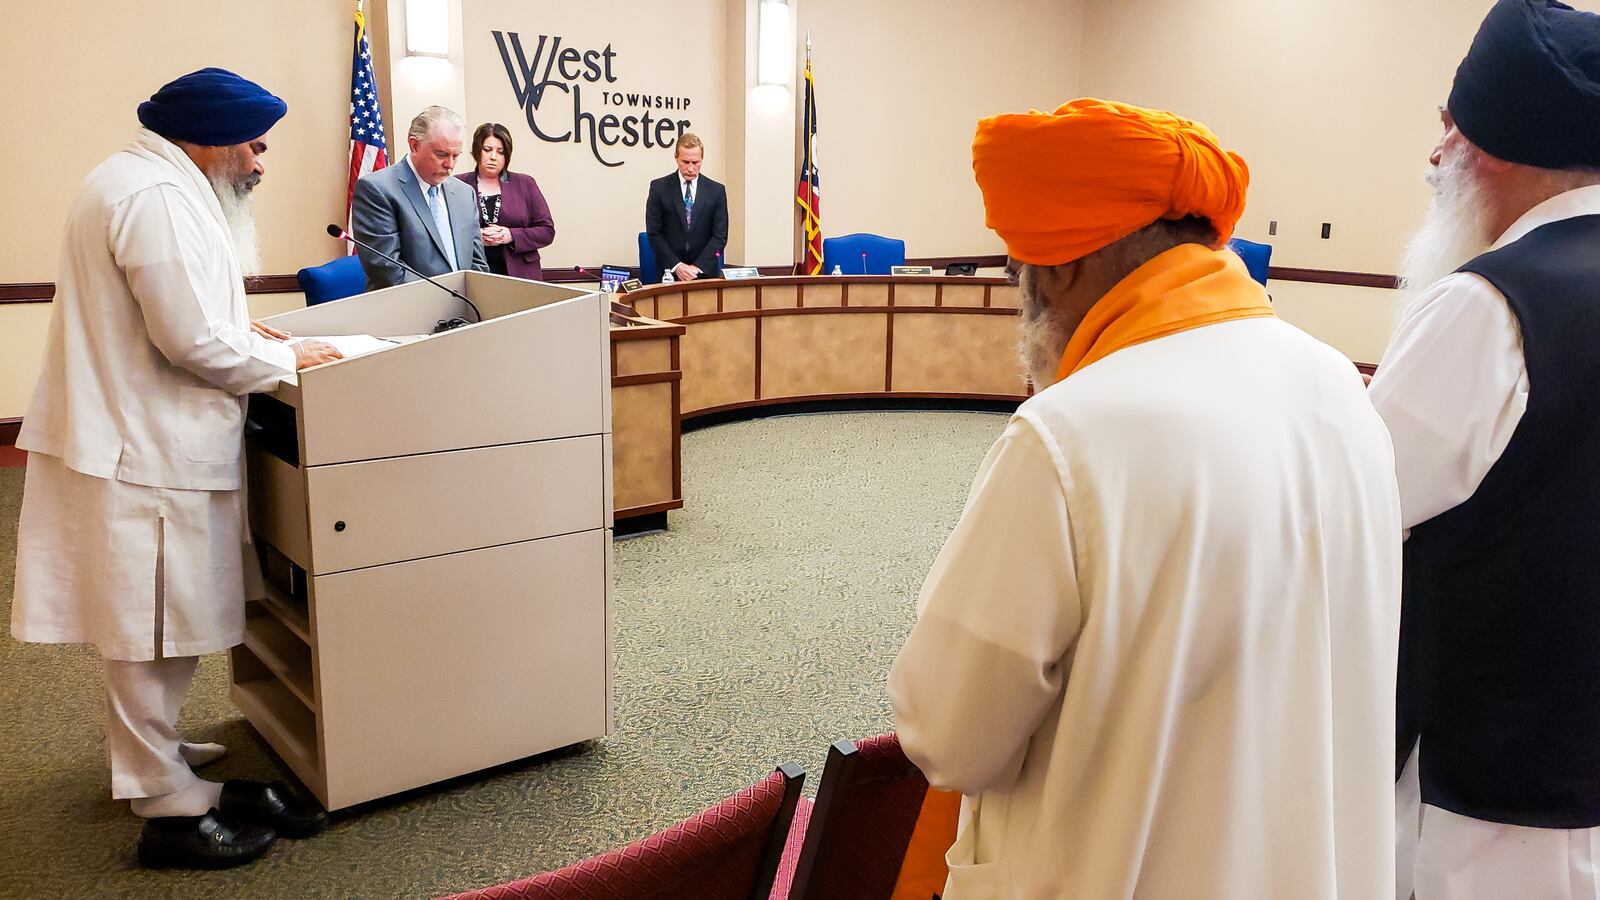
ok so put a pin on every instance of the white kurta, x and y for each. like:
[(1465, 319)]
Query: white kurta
[(1158, 651), (1452, 387), (135, 429)]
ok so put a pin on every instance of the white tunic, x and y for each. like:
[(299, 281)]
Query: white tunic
[(135, 429), (1158, 651), (1452, 387)]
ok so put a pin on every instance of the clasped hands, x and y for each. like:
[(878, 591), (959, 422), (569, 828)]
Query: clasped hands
[(307, 352), (685, 272), (496, 235)]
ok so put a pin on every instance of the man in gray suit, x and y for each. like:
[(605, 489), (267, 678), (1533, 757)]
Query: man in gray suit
[(415, 211)]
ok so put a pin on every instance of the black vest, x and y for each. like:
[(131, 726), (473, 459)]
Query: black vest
[(1500, 624)]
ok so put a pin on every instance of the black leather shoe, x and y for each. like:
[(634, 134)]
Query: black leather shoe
[(272, 805), (211, 841)]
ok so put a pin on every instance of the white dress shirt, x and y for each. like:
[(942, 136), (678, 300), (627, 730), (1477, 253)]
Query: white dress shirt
[(1452, 387)]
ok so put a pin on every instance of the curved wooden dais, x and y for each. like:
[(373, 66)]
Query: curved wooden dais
[(718, 349)]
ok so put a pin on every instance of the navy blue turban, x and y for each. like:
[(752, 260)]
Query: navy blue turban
[(213, 108), (1529, 90)]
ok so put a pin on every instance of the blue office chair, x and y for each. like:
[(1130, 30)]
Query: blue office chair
[(1256, 257), (648, 273), (847, 251), (332, 280)]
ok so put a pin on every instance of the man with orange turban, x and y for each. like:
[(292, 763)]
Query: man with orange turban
[(1157, 654)]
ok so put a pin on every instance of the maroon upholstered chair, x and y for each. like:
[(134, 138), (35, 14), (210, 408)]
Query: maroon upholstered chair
[(728, 852), (866, 808)]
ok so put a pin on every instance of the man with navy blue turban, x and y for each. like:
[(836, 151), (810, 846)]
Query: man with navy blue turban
[(132, 535), (1491, 391)]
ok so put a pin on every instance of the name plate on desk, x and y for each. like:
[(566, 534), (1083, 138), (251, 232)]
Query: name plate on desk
[(741, 272), (911, 270)]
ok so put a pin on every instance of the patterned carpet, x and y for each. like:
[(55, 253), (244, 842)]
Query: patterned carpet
[(757, 631)]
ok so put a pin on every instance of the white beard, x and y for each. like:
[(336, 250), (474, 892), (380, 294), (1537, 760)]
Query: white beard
[(1453, 233), (1042, 340), (235, 200)]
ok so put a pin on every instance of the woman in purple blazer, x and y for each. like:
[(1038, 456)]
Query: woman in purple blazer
[(515, 219)]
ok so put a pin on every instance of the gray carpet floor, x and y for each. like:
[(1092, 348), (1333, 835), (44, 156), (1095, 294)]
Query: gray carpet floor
[(757, 631)]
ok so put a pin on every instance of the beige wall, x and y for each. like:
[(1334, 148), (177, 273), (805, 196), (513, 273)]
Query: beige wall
[(75, 72), (1332, 103), (901, 85)]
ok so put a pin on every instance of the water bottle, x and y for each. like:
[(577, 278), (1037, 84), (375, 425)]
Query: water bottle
[(836, 270), (666, 276)]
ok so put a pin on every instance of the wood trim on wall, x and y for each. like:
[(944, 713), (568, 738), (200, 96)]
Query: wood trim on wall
[(8, 431), (42, 292), (1330, 276)]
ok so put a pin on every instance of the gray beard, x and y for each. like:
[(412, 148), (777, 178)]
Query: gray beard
[(1452, 234), (1042, 340), (236, 210)]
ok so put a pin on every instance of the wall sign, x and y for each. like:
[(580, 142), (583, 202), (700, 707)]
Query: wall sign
[(549, 88)]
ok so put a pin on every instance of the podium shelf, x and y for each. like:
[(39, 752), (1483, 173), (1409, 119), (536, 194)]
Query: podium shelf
[(284, 721), (281, 651), (294, 614)]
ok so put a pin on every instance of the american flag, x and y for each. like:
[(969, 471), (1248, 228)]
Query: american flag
[(808, 192), (367, 149)]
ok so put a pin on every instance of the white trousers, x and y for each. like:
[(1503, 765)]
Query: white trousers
[(142, 743), (1441, 855)]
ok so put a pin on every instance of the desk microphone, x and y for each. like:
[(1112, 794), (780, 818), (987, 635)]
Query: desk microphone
[(341, 234), (863, 263), (719, 263)]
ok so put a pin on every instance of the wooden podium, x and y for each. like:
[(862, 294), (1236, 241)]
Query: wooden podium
[(434, 520)]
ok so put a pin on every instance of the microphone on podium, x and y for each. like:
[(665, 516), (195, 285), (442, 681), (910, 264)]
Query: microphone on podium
[(341, 234)]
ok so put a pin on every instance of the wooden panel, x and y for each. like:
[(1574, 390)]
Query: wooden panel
[(700, 303), (415, 506), (912, 295), (641, 445), (824, 354), (641, 357), (961, 295), (278, 504), (439, 667), (864, 294), (669, 307), (1004, 295), (719, 363), (816, 295), (735, 299), (965, 354), (777, 297)]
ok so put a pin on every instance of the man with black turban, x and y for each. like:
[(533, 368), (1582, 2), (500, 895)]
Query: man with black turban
[(1491, 390), (132, 535)]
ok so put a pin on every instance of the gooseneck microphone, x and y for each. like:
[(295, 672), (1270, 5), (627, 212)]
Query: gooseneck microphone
[(341, 234)]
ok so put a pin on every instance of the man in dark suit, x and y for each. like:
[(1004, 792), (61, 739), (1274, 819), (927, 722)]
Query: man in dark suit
[(415, 211), (686, 216)]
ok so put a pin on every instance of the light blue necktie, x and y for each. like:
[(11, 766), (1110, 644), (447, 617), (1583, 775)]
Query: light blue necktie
[(441, 220)]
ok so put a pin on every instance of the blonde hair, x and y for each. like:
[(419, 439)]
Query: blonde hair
[(688, 141)]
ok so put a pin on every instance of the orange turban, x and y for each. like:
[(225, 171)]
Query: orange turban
[(1059, 186)]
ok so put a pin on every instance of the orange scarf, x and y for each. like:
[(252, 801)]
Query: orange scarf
[(1189, 286)]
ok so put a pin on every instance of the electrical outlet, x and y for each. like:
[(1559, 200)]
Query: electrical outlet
[(1272, 227), (1327, 230)]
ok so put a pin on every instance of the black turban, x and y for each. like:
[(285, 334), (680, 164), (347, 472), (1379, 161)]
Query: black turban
[(1529, 90), (213, 108)]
